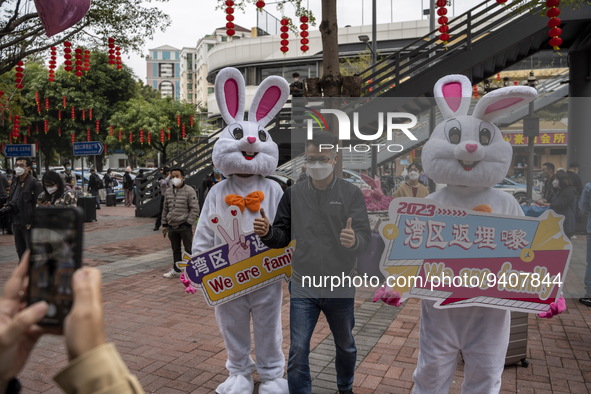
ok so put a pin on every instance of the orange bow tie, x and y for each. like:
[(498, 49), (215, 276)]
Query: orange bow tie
[(252, 201), (483, 208)]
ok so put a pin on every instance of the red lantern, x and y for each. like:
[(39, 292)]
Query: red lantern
[(260, 4), (183, 132), (59, 115), (162, 135), (555, 32), (475, 91), (73, 137), (83, 114), (229, 11), (142, 136), (304, 34), (88, 136), (86, 60), (19, 75), (78, 63), (111, 42), (149, 137), (90, 113), (443, 28), (131, 137), (52, 64), (46, 103), (120, 134), (284, 35), (64, 101), (38, 102), (111, 130), (46, 126), (178, 119), (118, 62), (73, 113), (97, 125), (16, 124), (68, 56)]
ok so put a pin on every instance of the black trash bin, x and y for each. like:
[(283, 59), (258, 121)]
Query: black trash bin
[(88, 205), (111, 200)]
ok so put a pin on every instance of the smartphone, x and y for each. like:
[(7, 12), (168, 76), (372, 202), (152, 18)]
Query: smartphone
[(56, 252)]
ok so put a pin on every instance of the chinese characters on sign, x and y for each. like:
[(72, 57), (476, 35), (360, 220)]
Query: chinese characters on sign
[(542, 139), (460, 257)]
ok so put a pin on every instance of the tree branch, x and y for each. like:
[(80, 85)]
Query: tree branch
[(11, 25)]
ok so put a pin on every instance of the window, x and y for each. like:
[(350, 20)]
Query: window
[(166, 70), (122, 163), (167, 89), (209, 90)]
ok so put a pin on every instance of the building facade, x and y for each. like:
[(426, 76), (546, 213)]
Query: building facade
[(163, 70)]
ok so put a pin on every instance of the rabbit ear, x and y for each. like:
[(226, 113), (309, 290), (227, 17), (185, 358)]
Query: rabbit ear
[(453, 94), (502, 101), (268, 100), (229, 94)]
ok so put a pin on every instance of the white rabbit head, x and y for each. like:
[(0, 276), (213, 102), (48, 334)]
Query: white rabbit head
[(245, 147), (470, 150)]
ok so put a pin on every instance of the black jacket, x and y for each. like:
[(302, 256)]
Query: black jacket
[(565, 204), (23, 200), (315, 218), (93, 182)]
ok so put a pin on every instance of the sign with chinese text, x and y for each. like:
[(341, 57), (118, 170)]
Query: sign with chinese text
[(542, 139), (461, 257), (237, 267)]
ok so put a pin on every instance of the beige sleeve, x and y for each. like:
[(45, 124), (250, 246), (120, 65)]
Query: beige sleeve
[(99, 371)]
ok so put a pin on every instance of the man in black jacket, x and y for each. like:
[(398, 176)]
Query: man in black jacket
[(21, 202), (328, 219), (94, 184)]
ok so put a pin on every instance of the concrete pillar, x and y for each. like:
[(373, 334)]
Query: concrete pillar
[(579, 111)]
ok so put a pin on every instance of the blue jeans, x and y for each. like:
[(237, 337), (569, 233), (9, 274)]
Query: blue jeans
[(304, 314), (588, 269)]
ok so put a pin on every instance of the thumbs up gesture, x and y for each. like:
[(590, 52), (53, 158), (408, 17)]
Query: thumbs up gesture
[(261, 225), (348, 238)]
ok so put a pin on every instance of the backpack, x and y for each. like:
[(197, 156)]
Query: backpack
[(99, 182)]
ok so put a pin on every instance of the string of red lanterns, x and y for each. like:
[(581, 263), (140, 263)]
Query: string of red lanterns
[(555, 32), (149, 138), (73, 113), (304, 34), (73, 137), (284, 35), (52, 64), (443, 28), (86, 60), (97, 125), (120, 137), (162, 135), (111, 43), (19, 76), (88, 135), (68, 56), (183, 132), (230, 17), (46, 126), (141, 136), (16, 124), (38, 102), (78, 63), (118, 62)]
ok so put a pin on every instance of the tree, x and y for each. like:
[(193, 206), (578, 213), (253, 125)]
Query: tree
[(156, 116), (130, 22)]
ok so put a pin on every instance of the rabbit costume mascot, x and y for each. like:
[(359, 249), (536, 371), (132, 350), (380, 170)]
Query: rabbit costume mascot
[(245, 154), (469, 154)]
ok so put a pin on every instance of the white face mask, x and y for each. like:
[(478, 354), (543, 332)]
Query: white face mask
[(19, 171), (555, 183), (52, 189), (319, 171), (177, 182), (68, 168), (413, 175)]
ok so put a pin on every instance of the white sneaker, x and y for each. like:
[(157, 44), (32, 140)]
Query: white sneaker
[(171, 274)]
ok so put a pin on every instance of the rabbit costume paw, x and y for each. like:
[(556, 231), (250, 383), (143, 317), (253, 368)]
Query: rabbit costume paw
[(236, 384)]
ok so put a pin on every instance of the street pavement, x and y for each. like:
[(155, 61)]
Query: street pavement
[(170, 340)]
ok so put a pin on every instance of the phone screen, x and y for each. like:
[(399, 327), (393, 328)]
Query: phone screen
[(56, 248)]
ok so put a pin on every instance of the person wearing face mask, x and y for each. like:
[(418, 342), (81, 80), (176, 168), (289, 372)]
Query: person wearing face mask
[(128, 187), (412, 187), (68, 177), (21, 202), (179, 213), (327, 218), (215, 177), (54, 191), (164, 184)]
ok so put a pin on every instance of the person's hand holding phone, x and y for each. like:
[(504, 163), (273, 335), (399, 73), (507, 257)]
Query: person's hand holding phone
[(84, 327), (18, 329)]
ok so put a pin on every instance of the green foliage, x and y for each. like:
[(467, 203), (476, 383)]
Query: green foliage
[(130, 22)]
